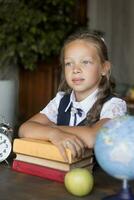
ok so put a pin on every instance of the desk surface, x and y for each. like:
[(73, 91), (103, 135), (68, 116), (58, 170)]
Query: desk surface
[(15, 185)]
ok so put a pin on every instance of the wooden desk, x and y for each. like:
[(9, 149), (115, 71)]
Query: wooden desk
[(15, 185)]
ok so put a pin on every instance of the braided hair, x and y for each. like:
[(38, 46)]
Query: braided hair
[(106, 85)]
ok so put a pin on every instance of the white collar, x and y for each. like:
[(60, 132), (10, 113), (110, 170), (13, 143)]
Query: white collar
[(85, 104)]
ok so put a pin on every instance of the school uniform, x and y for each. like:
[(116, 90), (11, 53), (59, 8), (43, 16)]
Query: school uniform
[(65, 110)]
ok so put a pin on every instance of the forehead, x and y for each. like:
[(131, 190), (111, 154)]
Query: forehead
[(80, 47)]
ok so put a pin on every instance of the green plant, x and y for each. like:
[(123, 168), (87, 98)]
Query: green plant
[(34, 30)]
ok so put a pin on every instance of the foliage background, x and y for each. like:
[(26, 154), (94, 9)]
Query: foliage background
[(34, 30)]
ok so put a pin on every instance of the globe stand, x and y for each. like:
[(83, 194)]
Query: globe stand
[(124, 194)]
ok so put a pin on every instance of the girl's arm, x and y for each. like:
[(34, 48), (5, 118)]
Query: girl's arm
[(86, 133), (40, 127), (37, 127), (75, 138)]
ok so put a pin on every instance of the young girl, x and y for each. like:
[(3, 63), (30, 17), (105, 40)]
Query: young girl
[(85, 100)]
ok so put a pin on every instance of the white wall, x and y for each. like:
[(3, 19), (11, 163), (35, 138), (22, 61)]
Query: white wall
[(116, 19), (9, 88)]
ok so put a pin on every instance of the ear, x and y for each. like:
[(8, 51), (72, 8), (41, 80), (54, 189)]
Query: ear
[(106, 68)]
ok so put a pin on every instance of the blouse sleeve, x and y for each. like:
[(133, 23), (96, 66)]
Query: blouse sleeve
[(113, 108), (51, 110)]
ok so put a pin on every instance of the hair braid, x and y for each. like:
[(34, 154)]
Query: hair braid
[(106, 89)]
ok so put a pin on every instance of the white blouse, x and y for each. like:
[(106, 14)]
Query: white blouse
[(111, 109)]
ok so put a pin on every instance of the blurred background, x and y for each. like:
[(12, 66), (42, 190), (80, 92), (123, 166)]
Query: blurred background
[(31, 36)]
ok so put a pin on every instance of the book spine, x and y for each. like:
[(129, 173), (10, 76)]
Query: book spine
[(36, 170)]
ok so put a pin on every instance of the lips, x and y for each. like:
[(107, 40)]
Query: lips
[(77, 80)]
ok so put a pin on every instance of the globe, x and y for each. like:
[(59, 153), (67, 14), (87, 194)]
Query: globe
[(114, 150)]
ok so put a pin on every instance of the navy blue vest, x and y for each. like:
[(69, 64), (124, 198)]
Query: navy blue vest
[(63, 117)]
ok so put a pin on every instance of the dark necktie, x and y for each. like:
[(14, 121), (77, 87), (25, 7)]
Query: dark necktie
[(76, 111)]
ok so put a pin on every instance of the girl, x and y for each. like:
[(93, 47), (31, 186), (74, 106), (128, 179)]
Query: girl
[(85, 100)]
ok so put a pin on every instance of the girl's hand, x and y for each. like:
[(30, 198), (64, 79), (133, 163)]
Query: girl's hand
[(63, 141)]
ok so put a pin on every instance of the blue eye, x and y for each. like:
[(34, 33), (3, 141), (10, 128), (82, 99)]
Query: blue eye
[(86, 62), (68, 64)]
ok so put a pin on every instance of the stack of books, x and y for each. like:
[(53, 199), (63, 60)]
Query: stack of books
[(43, 159)]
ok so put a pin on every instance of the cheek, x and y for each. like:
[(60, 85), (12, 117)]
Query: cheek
[(93, 73), (67, 74)]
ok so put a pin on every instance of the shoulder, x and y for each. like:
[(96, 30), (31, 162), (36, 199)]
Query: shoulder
[(115, 100), (51, 109), (56, 100), (113, 108), (58, 96), (54, 103)]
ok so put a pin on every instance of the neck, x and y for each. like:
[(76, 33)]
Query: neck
[(80, 96)]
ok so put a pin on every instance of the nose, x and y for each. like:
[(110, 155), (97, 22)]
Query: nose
[(76, 69)]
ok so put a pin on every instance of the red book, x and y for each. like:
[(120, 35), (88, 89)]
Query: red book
[(38, 170)]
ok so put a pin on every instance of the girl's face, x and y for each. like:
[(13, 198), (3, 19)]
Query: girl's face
[(83, 68)]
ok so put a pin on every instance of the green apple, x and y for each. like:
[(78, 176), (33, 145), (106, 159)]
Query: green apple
[(79, 181)]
